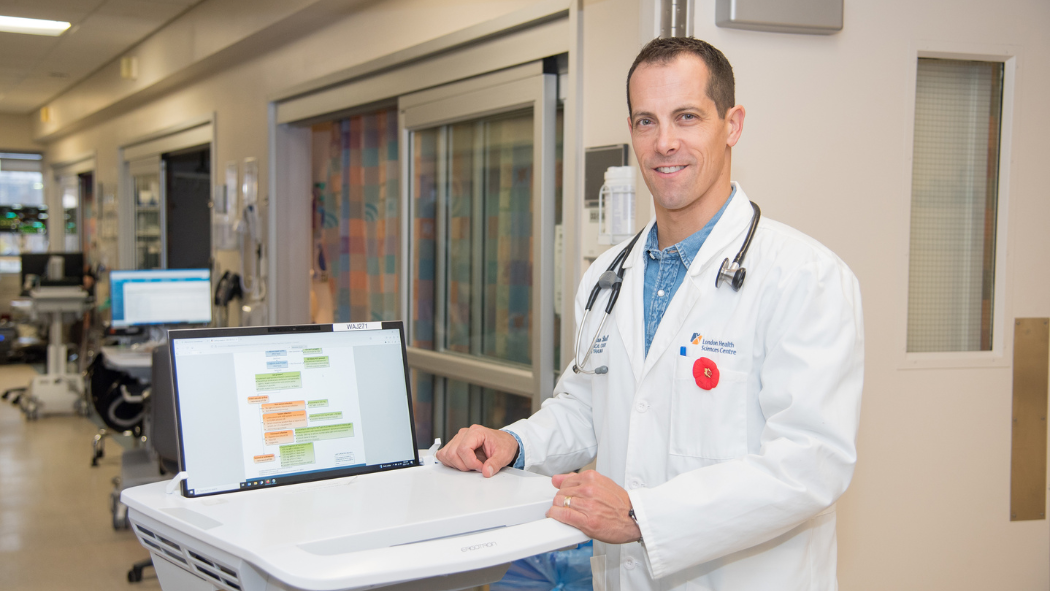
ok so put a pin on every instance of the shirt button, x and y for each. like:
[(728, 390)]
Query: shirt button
[(629, 563), (636, 483), (660, 293), (642, 406)]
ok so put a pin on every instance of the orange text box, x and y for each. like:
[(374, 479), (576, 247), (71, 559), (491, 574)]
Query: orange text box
[(265, 458), (279, 437), (283, 406), (258, 399), (278, 421)]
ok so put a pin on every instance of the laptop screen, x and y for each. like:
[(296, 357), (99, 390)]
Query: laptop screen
[(266, 406)]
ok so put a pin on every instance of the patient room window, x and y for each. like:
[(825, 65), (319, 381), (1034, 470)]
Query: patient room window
[(955, 188), (482, 193), (479, 173)]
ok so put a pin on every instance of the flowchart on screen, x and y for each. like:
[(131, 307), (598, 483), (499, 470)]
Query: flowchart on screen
[(299, 409)]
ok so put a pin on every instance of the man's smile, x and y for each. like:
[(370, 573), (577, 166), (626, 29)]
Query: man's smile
[(670, 169)]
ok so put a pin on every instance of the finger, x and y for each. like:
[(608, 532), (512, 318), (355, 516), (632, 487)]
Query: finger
[(490, 468), (449, 455), (564, 481), (569, 517), (466, 454)]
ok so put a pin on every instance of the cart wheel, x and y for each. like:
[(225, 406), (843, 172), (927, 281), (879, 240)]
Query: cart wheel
[(135, 575), (120, 513)]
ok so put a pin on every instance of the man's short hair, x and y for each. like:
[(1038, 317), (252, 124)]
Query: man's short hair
[(721, 87)]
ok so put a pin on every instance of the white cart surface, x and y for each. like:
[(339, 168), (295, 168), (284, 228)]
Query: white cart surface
[(428, 525)]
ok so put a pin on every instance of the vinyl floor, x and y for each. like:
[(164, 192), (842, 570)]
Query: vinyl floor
[(56, 531)]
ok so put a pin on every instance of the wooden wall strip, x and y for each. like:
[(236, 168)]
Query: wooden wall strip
[(1028, 456)]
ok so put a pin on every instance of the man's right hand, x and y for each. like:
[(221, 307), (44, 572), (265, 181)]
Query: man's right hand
[(479, 448)]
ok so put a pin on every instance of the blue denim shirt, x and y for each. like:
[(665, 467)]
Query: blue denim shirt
[(664, 272), (666, 269)]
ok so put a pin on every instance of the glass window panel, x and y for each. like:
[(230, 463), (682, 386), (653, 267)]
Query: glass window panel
[(424, 237), (507, 279), (955, 174), (459, 406), (499, 409), (21, 187), (147, 221), (474, 180)]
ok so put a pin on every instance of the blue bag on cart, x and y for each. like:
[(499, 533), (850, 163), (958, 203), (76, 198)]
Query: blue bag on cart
[(567, 570)]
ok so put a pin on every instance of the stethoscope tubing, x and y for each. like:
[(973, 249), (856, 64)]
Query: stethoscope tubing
[(616, 268)]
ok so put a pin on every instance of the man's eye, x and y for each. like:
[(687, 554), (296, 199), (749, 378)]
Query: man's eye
[(688, 116), (644, 121)]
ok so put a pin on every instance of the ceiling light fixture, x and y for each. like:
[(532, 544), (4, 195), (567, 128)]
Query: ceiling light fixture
[(32, 26)]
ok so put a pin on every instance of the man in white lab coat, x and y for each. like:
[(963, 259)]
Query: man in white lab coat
[(724, 424)]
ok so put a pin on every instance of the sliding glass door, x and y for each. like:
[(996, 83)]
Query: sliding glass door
[(481, 184)]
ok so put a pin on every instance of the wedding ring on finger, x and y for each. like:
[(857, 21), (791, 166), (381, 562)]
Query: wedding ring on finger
[(567, 502)]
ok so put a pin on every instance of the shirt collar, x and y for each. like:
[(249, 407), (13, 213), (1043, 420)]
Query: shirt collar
[(686, 249)]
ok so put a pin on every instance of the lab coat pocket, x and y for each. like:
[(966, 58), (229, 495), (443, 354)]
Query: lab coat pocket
[(709, 424)]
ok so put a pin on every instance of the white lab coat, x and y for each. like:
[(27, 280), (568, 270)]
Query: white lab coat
[(733, 487)]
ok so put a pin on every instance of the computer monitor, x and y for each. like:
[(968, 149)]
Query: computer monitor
[(160, 296), (273, 405), (36, 264)]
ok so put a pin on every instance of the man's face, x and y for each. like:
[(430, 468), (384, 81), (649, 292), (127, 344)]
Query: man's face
[(681, 143)]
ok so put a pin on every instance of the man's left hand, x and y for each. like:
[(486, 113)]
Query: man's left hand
[(597, 506)]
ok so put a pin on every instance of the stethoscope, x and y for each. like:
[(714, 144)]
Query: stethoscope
[(612, 279)]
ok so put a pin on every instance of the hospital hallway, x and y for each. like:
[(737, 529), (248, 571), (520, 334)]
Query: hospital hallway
[(56, 530)]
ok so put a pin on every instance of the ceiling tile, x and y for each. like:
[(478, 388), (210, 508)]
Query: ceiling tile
[(25, 49), (104, 30)]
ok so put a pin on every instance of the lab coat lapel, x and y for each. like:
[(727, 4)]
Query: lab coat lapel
[(628, 311), (729, 231)]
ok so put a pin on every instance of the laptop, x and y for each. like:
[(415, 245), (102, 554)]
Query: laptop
[(262, 407)]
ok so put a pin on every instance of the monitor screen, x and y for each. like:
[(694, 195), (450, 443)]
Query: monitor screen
[(267, 406), (36, 264), (160, 296)]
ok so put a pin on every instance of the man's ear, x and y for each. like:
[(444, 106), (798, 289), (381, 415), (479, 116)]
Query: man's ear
[(735, 123), (630, 126)]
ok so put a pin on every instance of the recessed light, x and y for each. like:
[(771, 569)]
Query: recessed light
[(32, 26)]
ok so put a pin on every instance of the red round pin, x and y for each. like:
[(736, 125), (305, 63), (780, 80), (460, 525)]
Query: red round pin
[(705, 372)]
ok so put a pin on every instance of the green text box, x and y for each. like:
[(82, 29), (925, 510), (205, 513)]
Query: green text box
[(316, 351), (265, 382), (317, 403), (297, 454), (315, 362), (340, 431), (327, 416)]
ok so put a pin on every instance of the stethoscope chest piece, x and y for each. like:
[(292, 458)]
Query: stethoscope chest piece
[(731, 272)]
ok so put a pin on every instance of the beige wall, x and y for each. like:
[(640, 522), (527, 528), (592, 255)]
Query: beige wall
[(824, 149), (16, 134)]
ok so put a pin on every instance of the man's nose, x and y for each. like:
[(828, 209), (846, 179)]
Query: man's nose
[(667, 141)]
